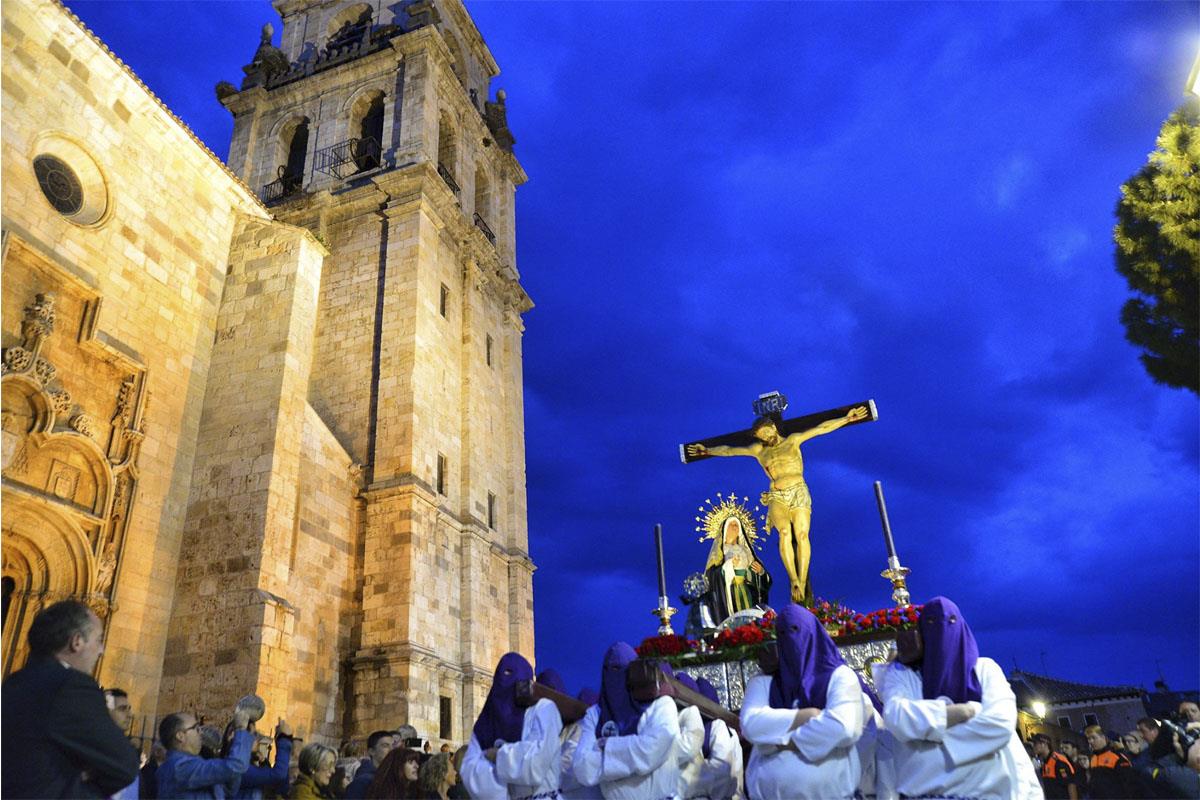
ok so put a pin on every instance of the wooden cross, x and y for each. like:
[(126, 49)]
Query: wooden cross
[(773, 405)]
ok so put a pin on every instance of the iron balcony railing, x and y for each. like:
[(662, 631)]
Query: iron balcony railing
[(483, 226), (282, 187), (349, 157), (448, 178)]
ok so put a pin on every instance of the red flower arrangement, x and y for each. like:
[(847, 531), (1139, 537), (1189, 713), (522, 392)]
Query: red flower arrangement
[(885, 619), (833, 615), (669, 645), (752, 633)]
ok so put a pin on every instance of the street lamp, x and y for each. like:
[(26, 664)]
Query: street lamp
[(1193, 81)]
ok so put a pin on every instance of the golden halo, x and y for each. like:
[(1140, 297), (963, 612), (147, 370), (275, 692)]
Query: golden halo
[(712, 524)]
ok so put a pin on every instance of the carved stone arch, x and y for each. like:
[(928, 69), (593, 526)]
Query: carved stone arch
[(378, 87), (27, 409), (63, 465), (458, 64), (290, 135), (288, 118), (48, 556)]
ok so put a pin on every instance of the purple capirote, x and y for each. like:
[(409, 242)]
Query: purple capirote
[(709, 691), (950, 653), (616, 706), (588, 695), (807, 659), (550, 678), (501, 719)]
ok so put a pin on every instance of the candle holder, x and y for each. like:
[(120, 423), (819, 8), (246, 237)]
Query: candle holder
[(897, 574), (664, 612)]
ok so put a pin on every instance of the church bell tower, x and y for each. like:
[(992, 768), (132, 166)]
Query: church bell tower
[(372, 125)]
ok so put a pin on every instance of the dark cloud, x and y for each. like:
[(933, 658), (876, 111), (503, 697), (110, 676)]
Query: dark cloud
[(909, 202)]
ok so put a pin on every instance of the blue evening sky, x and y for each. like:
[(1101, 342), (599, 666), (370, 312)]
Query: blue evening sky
[(911, 202)]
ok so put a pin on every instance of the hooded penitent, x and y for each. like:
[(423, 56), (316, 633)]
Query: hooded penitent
[(501, 719), (950, 653), (552, 680), (807, 659), (616, 706)]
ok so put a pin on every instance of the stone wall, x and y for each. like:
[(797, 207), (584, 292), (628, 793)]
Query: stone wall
[(155, 261)]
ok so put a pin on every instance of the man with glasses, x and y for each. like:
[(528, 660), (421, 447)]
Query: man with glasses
[(185, 774)]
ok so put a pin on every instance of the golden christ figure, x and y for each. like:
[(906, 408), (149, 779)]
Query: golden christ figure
[(789, 505)]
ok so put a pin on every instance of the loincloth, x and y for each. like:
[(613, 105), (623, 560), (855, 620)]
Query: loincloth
[(793, 497)]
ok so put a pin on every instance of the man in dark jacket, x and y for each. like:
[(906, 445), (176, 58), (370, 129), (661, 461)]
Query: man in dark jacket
[(59, 740), (1057, 772), (379, 744)]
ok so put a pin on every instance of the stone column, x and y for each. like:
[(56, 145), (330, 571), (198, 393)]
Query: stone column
[(231, 619)]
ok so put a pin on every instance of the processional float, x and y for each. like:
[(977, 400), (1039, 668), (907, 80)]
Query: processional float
[(729, 632)]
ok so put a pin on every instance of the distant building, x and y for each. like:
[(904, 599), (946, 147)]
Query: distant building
[(1071, 706), (1163, 703)]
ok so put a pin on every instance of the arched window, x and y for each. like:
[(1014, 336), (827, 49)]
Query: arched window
[(366, 125), (483, 204), (294, 142), (446, 153), (457, 64), (483, 194)]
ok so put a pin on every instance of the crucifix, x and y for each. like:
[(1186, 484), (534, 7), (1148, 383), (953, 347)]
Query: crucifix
[(775, 443)]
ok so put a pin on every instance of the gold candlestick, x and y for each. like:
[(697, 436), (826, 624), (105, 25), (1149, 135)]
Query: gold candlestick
[(664, 613), (897, 574)]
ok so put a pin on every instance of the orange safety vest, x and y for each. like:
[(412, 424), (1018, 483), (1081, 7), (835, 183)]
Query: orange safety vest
[(1048, 770), (1109, 759)]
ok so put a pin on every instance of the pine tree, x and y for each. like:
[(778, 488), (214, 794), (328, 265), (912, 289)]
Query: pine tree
[(1158, 252)]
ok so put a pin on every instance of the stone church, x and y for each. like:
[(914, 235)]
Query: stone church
[(266, 417)]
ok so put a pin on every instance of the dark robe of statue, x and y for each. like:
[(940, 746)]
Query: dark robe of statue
[(737, 578)]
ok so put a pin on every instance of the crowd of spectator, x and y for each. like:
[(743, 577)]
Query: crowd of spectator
[(1157, 759), (64, 736)]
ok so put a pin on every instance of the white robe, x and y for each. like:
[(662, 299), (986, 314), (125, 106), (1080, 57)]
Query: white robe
[(522, 769), (569, 787), (721, 778), (691, 752), (975, 758), (642, 766), (867, 746), (817, 759)]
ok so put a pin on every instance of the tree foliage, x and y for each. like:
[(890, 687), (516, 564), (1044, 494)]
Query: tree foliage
[(1158, 251)]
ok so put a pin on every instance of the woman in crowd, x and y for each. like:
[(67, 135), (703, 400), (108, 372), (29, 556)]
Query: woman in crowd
[(343, 774), (514, 751), (316, 768), (397, 777), (437, 776), (459, 790), (952, 714), (722, 750), (628, 749), (804, 720), (261, 779)]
